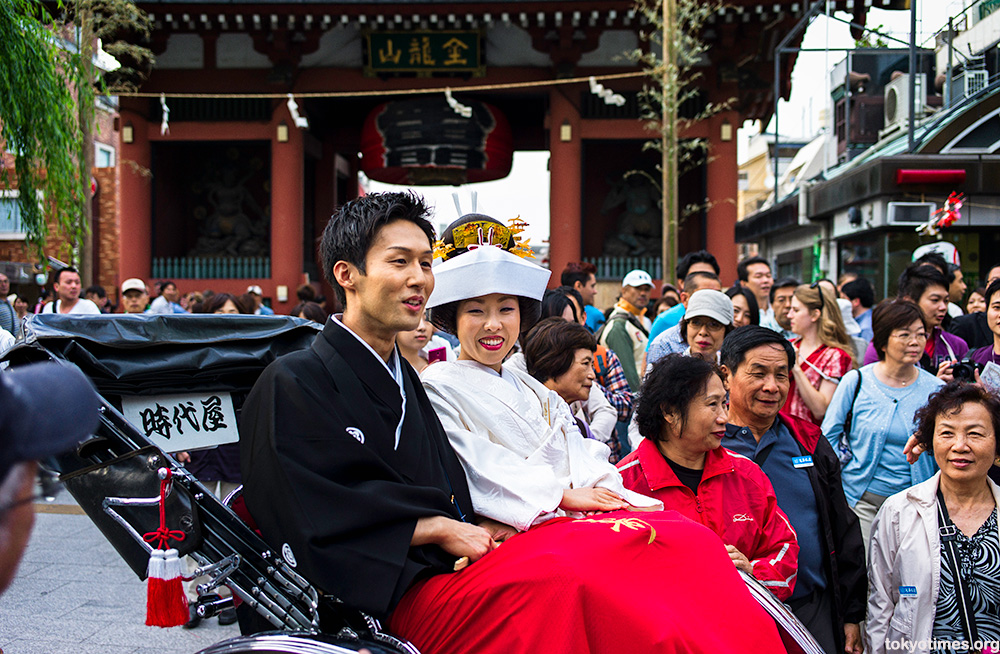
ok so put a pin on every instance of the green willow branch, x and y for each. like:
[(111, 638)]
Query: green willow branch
[(39, 126)]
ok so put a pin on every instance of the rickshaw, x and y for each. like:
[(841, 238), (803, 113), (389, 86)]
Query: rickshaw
[(172, 383)]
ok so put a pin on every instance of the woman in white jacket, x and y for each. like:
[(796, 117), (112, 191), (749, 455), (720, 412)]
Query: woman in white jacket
[(913, 597)]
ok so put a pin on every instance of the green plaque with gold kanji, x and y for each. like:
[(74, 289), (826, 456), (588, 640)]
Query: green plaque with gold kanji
[(427, 52)]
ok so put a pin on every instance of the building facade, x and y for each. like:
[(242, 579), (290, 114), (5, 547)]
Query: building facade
[(256, 119)]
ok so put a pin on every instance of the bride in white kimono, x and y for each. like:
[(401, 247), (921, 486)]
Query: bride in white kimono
[(524, 456)]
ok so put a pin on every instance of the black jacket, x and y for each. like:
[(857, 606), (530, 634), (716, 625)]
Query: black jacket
[(326, 481), (972, 329), (845, 561)]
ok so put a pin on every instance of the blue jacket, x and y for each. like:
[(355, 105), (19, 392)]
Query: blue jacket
[(874, 413)]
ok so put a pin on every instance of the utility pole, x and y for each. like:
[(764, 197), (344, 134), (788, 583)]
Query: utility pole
[(669, 137), (914, 101), (86, 117)]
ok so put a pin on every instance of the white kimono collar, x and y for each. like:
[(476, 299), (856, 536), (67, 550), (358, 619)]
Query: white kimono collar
[(391, 366)]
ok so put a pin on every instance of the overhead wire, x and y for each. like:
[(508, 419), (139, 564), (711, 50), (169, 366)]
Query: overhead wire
[(388, 92)]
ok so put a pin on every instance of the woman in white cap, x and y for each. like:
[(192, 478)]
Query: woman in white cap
[(707, 320), (709, 317), (523, 453)]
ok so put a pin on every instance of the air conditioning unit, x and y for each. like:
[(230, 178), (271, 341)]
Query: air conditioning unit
[(975, 81), (968, 83), (909, 213), (897, 101)]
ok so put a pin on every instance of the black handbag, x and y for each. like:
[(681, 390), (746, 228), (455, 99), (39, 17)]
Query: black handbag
[(844, 452), (122, 497)]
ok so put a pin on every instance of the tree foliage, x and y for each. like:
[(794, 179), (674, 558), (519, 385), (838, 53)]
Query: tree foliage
[(872, 38), (122, 28), (48, 88), (39, 125)]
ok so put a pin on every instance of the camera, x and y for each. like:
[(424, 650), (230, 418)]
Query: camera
[(965, 370)]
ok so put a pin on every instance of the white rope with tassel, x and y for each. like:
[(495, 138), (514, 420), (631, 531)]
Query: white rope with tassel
[(293, 108), (165, 122), (609, 96)]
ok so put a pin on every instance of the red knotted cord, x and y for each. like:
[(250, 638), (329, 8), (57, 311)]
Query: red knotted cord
[(162, 535)]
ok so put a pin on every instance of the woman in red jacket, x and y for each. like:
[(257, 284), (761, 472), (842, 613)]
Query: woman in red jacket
[(682, 416)]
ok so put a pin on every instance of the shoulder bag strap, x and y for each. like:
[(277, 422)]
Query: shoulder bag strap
[(601, 360), (849, 418), (616, 317), (844, 450), (637, 323), (949, 534), (761, 456)]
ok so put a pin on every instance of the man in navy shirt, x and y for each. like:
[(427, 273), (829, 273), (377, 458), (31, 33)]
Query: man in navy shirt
[(831, 590)]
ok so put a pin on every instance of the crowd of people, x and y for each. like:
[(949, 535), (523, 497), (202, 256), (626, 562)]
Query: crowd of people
[(841, 451), (69, 297), (826, 389), (779, 416)]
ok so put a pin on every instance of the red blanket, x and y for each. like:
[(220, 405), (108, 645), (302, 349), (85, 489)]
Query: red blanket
[(617, 582)]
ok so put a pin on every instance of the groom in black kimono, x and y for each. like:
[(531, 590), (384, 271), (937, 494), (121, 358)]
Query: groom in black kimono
[(346, 468)]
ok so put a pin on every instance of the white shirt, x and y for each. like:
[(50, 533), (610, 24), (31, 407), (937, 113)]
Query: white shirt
[(83, 307), (6, 341), (518, 442)]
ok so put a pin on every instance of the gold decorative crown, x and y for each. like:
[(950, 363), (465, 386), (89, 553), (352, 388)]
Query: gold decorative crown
[(478, 233)]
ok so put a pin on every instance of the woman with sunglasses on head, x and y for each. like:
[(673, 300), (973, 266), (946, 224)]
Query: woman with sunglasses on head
[(874, 407), (823, 352)]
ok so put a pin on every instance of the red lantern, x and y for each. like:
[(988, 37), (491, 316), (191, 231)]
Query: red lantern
[(425, 142)]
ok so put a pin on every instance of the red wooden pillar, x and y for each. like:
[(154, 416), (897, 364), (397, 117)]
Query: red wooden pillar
[(287, 195), (722, 189), (565, 200), (135, 207)]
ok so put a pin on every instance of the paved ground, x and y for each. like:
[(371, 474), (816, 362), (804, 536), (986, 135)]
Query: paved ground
[(74, 595)]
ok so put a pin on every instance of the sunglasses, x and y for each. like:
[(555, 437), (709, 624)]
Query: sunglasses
[(822, 298)]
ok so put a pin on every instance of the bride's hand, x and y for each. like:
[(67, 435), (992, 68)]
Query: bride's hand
[(591, 499), (498, 530)]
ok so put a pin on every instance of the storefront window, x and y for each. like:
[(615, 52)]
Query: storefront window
[(881, 258), (793, 264), (902, 245), (864, 257)]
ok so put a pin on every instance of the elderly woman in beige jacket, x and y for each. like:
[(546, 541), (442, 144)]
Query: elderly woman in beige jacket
[(913, 597)]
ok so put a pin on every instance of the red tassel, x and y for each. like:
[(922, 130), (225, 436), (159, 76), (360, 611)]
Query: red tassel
[(166, 603)]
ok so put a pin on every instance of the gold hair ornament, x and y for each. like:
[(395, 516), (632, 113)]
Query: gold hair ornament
[(479, 233)]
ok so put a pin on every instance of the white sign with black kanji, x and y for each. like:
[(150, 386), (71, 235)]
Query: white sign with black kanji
[(191, 421)]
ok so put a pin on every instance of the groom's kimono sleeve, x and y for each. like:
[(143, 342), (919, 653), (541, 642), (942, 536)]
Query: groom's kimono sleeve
[(323, 473)]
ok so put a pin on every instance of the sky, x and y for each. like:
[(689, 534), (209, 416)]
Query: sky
[(525, 192), (800, 115)]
